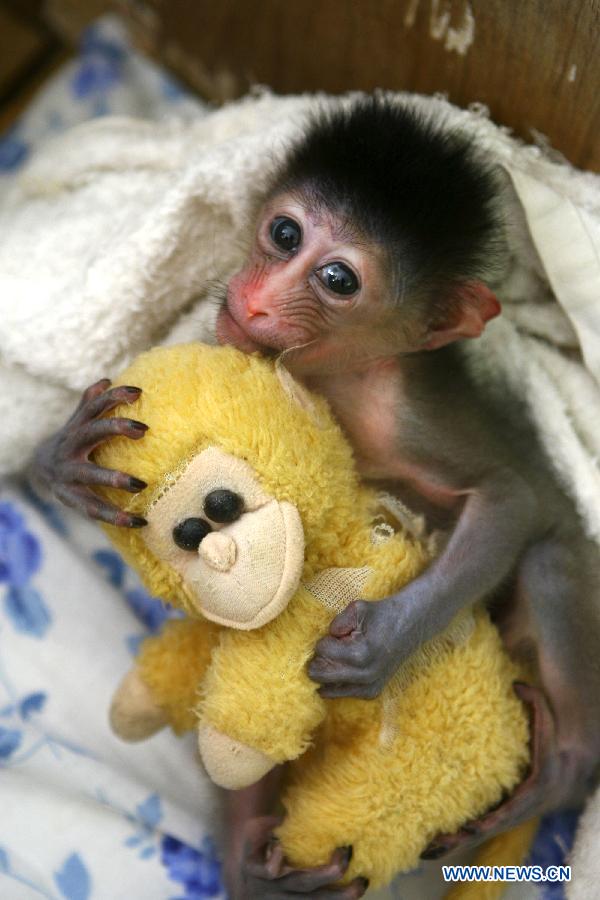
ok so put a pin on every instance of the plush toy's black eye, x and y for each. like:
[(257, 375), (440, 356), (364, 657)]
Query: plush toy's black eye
[(223, 506), (339, 278), (285, 234), (190, 533)]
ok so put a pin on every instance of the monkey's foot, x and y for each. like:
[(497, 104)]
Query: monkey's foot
[(265, 874), (546, 786)]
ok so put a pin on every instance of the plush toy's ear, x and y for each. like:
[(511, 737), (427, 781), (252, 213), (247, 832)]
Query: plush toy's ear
[(472, 305), (298, 393)]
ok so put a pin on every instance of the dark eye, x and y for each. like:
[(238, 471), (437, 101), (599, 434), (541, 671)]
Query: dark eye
[(285, 234), (223, 506), (338, 278), (190, 533)]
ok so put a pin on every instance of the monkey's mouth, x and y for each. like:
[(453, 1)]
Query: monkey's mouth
[(229, 331)]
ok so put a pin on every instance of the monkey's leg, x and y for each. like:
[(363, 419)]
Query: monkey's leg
[(254, 866), (532, 797), (555, 609), (61, 464)]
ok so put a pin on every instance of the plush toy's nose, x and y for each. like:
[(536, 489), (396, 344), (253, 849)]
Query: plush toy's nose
[(218, 550)]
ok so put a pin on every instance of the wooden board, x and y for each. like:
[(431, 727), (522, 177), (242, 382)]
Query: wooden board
[(534, 63), (20, 45)]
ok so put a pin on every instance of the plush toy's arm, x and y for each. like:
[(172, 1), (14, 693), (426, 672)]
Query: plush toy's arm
[(162, 688), (259, 708)]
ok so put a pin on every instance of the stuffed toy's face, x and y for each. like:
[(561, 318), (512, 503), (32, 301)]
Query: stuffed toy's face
[(239, 551)]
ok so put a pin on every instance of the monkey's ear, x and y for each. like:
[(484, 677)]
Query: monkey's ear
[(469, 308)]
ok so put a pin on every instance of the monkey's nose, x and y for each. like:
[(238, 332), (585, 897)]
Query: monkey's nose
[(255, 307), (218, 550)]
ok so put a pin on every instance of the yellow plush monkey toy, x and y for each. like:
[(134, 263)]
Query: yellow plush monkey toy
[(260, 530)]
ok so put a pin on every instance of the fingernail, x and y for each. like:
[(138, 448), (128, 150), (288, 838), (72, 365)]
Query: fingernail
[(347, 854), (137, 522), (433, 852), (136, 484), (139, 426), (132, 390)]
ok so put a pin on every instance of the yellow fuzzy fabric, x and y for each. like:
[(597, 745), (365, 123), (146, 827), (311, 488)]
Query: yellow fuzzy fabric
[(457, 736), (461, 743), (174, 663), (508, 849)]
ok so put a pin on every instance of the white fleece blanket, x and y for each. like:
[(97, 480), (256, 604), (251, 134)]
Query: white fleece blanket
[(112, 237)]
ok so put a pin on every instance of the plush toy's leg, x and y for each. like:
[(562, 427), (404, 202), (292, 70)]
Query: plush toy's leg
[(162, 688), (134, 714), (255, 868)]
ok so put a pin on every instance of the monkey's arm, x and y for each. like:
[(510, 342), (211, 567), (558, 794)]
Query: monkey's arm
[(61, 464), (369, 640)]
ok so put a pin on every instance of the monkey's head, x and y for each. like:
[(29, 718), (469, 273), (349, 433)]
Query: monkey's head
[(375, 239), (251, 484)]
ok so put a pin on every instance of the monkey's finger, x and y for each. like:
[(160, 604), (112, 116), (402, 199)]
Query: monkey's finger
[(90, 474), (349, 621), (342, 663), (85, 439), (441, 845), (85, 501), (359, 691), (270, 891), (351, 892), (94, 390), (542, 727), (352, 650), (304, 881), (100, 401), (338, 673), (260, 844)]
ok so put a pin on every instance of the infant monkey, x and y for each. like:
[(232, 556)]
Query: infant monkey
[(369, 267)]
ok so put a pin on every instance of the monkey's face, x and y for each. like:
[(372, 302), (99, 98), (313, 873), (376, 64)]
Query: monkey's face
[(238, 550), (311, 286)]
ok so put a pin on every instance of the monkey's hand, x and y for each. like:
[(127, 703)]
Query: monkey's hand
[(555, 778), (369, 640), (61, 464), (265, 875), (365, 646)]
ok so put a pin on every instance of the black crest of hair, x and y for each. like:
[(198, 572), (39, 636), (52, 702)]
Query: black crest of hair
[(420, 189)]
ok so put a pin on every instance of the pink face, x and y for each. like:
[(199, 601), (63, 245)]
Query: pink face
[(307, 288)]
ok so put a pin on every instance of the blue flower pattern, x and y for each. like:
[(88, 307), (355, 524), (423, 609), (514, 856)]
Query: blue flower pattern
[(150, 611), (20, 560), (198, 871), (552, 846), (72, 879), (104, 79), (100, 68)]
